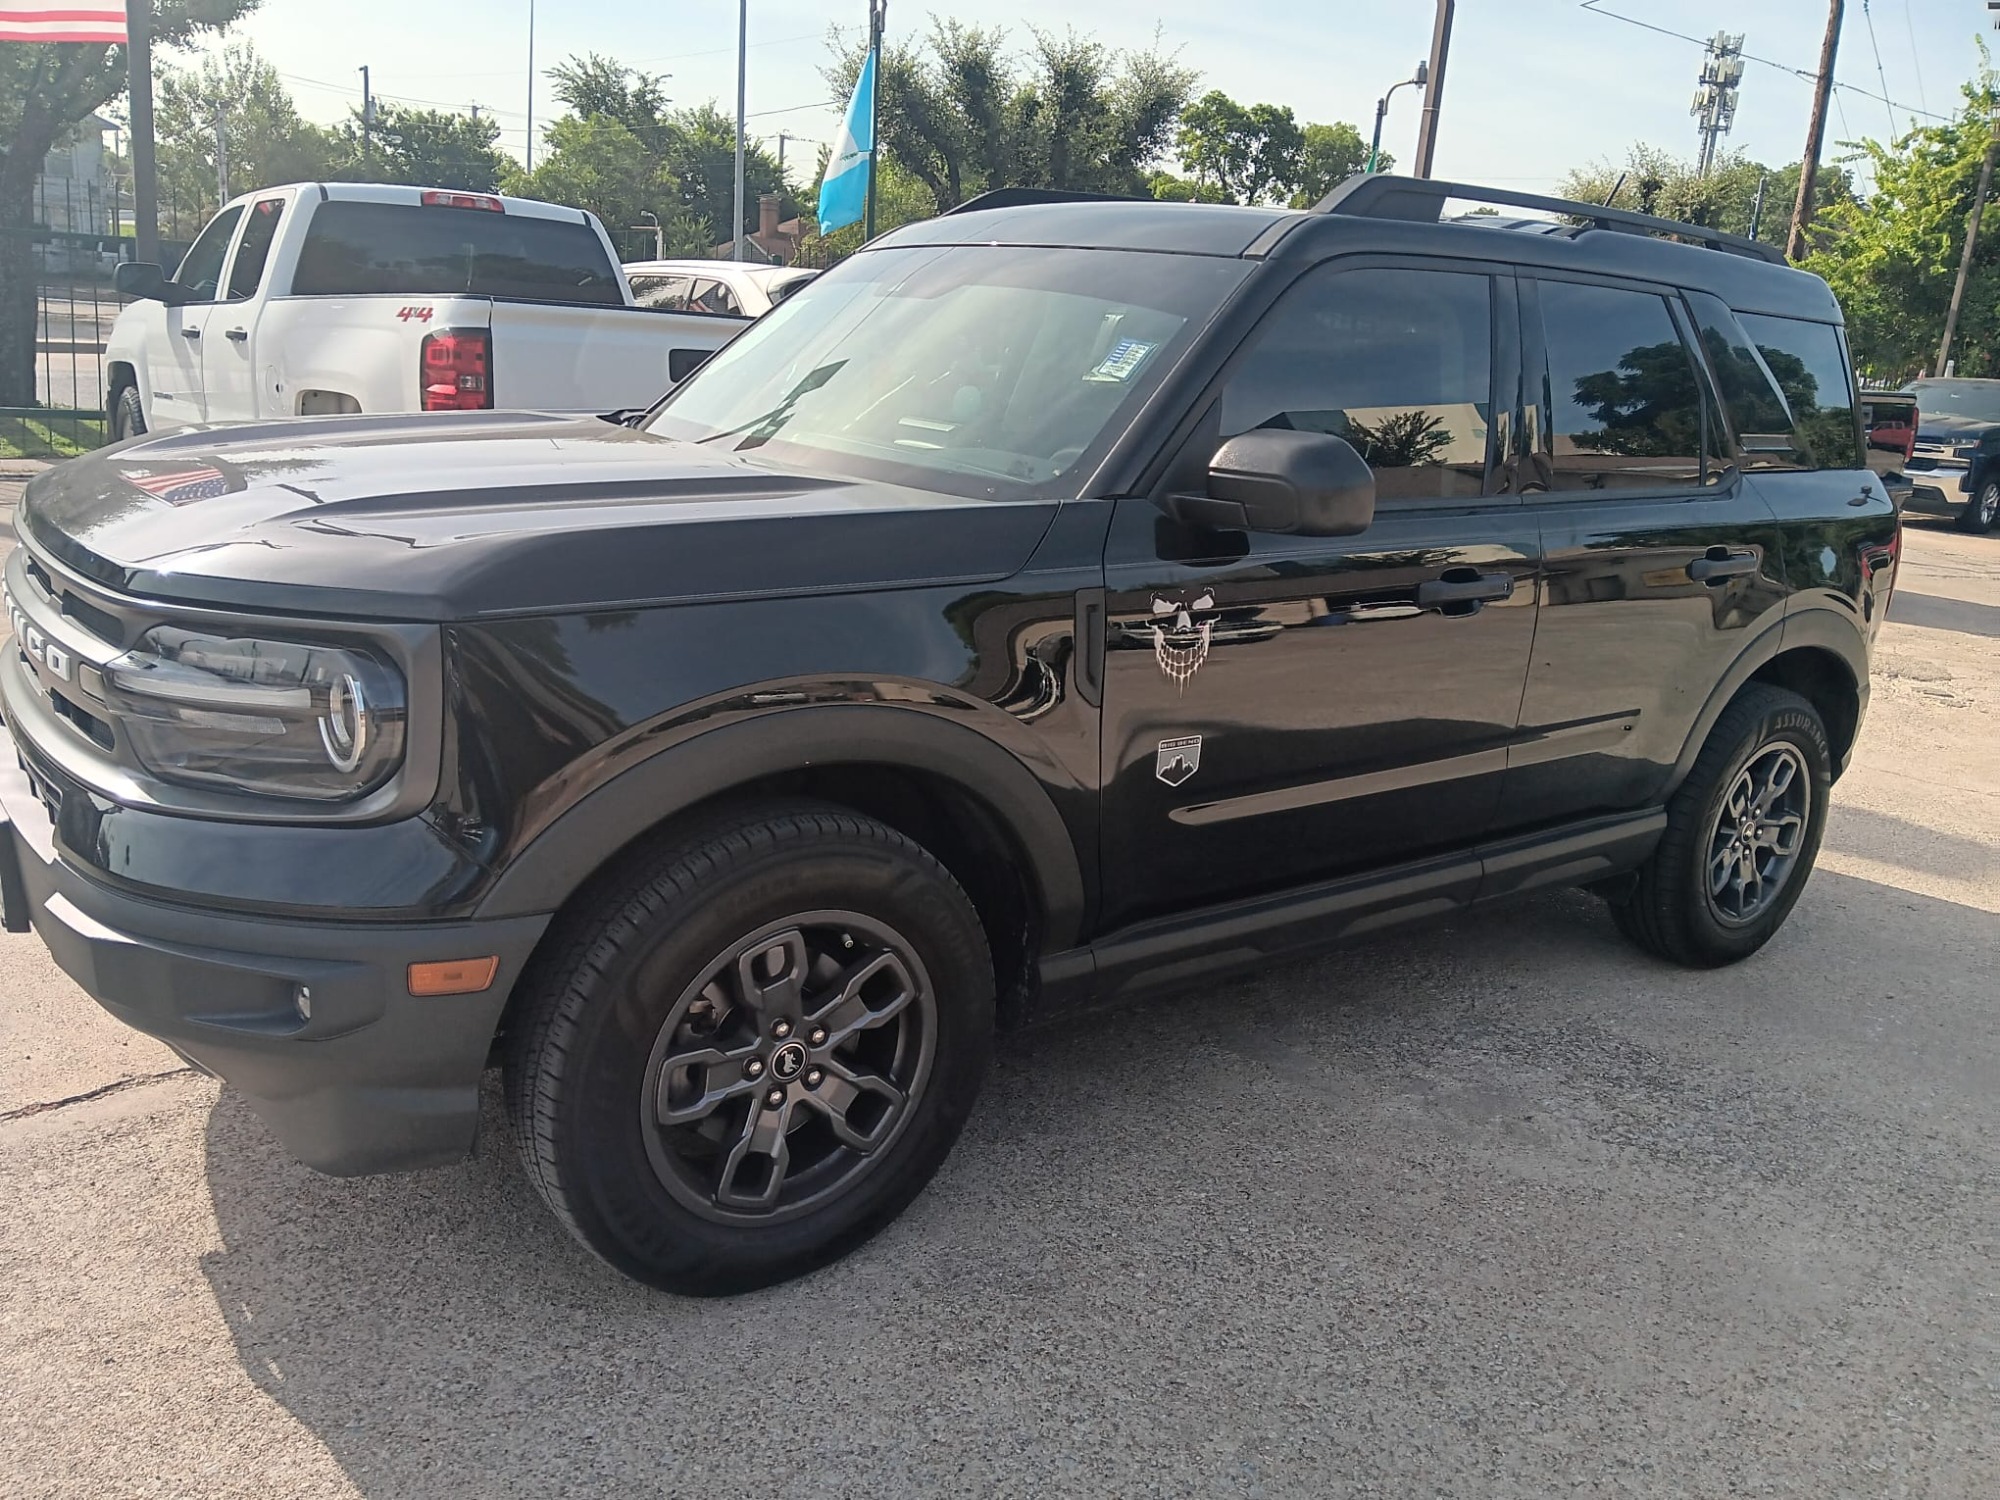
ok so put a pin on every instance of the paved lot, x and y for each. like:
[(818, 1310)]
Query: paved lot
[(1493, 1208)]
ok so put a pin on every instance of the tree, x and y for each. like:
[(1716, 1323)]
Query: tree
[(432, 148), (1253, 155), (48, 89), (961, 114), (1331, 154), (1893, 260), (268, 142), (1657, 182)]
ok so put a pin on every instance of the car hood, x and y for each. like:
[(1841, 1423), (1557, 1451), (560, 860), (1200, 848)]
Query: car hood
[(438, 517)]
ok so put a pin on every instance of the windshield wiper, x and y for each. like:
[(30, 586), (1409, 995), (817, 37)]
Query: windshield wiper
[(762, 429)]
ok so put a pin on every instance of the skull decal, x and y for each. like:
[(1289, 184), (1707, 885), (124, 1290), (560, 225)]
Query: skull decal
[(1180, 640)]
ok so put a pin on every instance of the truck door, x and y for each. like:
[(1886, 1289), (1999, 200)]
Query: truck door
[(174, 363), (1279, 709), (229, 348)]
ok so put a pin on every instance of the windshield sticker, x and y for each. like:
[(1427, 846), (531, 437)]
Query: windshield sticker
[(1123, 362)]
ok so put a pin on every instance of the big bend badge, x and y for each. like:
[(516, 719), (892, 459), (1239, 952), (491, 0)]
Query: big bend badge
[(1176, 760)]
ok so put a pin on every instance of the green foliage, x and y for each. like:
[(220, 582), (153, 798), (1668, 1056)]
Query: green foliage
[(1657, 182), (960, 113), (432, 148), (1331, 154), (901, 198), (1893, 261), (1171, 189), (268, 142), (1253, 154)]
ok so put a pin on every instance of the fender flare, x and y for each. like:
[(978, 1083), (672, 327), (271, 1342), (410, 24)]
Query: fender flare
[(1810, 626), (566, 853)]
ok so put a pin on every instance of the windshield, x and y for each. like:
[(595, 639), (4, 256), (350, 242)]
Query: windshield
[(1975, 400), (983, 370)]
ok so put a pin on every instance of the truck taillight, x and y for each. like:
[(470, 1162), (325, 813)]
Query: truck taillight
[(455, 368), (439, 199)]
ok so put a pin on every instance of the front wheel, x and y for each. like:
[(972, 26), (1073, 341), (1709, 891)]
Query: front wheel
[(1982, 510), (753, 1051), (128, 416), (1742, 833)]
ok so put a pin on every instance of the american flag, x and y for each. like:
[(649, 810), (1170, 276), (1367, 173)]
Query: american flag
[(182, 486), (36, 21)]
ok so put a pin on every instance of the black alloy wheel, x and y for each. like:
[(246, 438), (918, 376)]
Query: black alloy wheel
[(1982, 510), (739, 1054), (787, 1068), (1759, 833)]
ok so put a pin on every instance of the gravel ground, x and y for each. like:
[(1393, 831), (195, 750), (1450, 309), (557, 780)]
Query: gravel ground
[(1489, 1208)]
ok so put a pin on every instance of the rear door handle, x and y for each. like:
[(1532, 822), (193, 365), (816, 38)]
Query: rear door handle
[(1464, 586), (190, 333), (237, 335), (1720, 563)]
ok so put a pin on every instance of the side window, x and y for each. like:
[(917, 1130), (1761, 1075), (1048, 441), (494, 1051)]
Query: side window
[(201, 267), (1398, 362), (260, 231), (713, 297), (1809, 363), (661, 293), (1625, 402)]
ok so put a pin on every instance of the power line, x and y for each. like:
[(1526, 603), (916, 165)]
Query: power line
[(1869, 16), (1910, 25)]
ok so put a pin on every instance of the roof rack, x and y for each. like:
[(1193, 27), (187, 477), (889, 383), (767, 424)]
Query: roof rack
[(1421, 199), (1017, 197)]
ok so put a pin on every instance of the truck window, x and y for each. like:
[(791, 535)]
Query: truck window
[(1625, 401), (260, 231), (359, 249), (711, 296), (1398, 362), (1810, 364), (661, 293), (201, 267)]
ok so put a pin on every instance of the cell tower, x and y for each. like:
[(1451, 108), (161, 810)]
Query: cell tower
[(1715, 96)]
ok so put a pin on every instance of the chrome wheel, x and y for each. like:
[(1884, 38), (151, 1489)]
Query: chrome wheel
[(1989, 504), (786, 1070), (1759, 832)]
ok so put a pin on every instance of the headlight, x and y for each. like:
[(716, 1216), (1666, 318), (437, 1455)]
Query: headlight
[(283, 718)]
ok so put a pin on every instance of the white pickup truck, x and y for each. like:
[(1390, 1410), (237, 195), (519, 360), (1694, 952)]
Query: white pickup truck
[(320, 299)]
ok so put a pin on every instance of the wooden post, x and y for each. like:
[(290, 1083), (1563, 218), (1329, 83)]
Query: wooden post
[(1802, 211)]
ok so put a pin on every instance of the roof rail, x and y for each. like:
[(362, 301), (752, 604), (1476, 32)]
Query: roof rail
[(1016, 197), (1377, 196)]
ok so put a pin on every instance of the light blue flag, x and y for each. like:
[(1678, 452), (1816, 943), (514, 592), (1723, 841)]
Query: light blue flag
[(843, 192)]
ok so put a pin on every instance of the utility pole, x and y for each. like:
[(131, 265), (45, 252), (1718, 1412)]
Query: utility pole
[(1802, 211), (878, 19), (1427, 129), (1757, 203), (1971, 241), (531, 85), (1715, 94), (367, 112), (221, 156), (145, 180), (784, 136), (742, 83)]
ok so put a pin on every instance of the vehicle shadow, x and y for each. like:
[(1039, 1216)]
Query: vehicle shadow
[(1495, 1197), (1935, 613)]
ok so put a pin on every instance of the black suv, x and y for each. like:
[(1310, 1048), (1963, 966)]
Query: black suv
[(1061, 598)]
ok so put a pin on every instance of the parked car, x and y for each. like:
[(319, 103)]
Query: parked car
[(1057, 600), (1890, 419), (325, 299), (1955, 462), (724, 288)]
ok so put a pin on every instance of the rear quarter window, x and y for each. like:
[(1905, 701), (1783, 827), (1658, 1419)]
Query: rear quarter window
[(362, 249), (1809, 362)]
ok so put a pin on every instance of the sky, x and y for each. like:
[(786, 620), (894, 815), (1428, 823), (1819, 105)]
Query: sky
[(1534, 87)]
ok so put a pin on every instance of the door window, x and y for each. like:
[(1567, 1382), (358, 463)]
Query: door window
[(1399, 362), (661, 293), (260, 231), (1625, 402), (713, 297), (1810, 366), (201, 267)]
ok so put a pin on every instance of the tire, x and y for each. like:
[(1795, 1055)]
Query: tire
[(128, 417), (1982, 510), (682, 1174), (1674, 910)]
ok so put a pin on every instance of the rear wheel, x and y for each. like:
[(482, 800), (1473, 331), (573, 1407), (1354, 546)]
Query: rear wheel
[(1742, 833), (128, 417), (754, 1052), (1982, 510)]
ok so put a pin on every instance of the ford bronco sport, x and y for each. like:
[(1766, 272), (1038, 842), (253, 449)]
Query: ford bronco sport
[(1059, 598)]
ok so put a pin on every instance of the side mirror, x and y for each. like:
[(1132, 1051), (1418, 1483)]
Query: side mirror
[(1277, 480), (141, 278)]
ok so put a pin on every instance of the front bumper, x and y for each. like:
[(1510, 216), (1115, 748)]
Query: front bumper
[(312, 1021)]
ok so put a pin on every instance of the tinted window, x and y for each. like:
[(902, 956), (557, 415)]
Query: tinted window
[(258, 235), (1757, 409), (356, 249), (1810, 365), (661, 293), (1624, 399), (201, 268), (713, 297), (1398, 362)]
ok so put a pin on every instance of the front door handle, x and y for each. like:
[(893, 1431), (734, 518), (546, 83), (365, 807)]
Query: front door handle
[(1463, 590), (1719, 563), (237, 335), (190, 333)]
